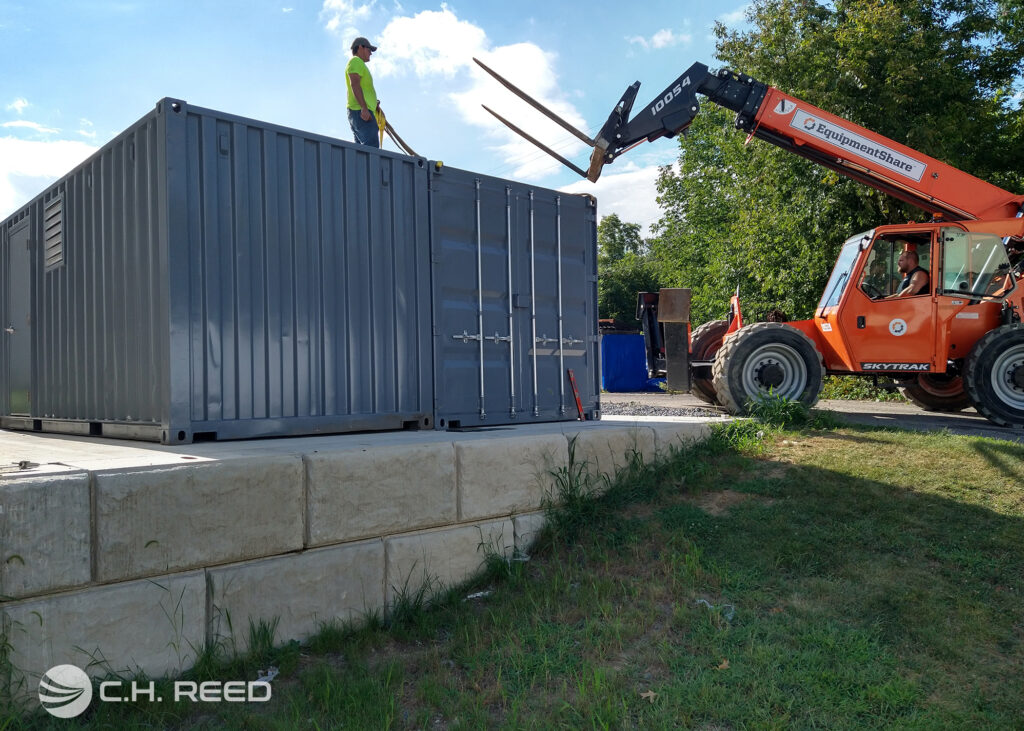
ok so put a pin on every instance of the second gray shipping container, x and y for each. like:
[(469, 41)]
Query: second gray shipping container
[(205, 276)]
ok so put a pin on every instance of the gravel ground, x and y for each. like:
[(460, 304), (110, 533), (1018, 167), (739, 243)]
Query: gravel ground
[(885, 414), (635, 408)]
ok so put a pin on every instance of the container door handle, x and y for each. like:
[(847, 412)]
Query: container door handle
[(466, 337), (9, 330)]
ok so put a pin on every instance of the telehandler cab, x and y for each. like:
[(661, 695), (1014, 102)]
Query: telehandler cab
[(955, 342)]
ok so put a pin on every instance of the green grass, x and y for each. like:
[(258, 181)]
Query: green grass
[(858, 388), (845, 578)]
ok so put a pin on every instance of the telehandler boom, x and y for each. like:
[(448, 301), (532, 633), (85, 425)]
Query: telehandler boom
[(955, 341)]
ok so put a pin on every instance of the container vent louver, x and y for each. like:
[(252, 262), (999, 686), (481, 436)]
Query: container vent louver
[(53, 233)]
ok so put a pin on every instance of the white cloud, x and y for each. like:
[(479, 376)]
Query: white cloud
[(662, 39), (342, 15), (86, 129), (19, 104), (437, 44), (434, 42), (28, 166), (630, 192), (34, 126), (736, 17), (287, 10)]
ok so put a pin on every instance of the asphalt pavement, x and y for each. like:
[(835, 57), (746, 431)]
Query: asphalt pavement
[(873, 413)]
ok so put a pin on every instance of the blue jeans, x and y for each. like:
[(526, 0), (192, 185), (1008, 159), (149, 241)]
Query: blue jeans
[(365, 133)]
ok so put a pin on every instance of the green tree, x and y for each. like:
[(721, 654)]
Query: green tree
[(624, 268), (936, 75)]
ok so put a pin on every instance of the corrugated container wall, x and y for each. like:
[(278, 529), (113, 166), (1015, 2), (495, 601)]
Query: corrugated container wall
[(86, 306), (306, 266), (209, 276)]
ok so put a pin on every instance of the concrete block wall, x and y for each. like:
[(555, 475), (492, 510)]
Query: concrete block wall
[(136, 568)]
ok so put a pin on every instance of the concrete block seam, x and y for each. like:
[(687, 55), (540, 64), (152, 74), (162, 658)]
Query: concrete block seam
[(386, 553), (208, 624), (383, 594), (307, 537), (458, 481), (158, 574), (373, 597), (94, 532)]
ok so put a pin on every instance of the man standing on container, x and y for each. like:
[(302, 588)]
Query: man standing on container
[(362, 98)]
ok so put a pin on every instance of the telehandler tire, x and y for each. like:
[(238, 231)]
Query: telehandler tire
[(767, 358), (994, 375), (936, 392), (704, 344)]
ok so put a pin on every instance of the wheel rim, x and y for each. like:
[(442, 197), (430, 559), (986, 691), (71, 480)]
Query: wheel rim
[(1008, 377), (775, 369)]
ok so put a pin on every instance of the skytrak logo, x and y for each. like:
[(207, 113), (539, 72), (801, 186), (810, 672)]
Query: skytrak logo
[(895, 366), (858, 145)]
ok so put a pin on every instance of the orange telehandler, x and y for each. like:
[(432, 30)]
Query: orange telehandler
[(954, 341)]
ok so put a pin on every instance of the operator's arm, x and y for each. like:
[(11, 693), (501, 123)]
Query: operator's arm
[(917, 281), (357, 92)]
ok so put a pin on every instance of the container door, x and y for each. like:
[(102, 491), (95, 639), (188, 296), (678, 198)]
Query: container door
[(555, 320), (473, 321), (18, 329), (513, 301)]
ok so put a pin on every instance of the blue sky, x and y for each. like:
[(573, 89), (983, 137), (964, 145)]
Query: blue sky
[(74, 74)]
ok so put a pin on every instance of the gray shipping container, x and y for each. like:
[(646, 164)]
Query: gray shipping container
[(205, 276)]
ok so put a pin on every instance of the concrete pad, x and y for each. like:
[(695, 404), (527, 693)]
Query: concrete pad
[(53, 451), (372, 492), (606, 451), (155, 626), (444, 557), (302, 591), (12, 471), (505, 475), (158, 520), (44, 534)]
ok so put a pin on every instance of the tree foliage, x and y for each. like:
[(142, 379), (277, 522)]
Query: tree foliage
[(936, 75), (624, 268)]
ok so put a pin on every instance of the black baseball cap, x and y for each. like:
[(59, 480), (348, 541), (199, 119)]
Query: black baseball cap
[(360, 41)]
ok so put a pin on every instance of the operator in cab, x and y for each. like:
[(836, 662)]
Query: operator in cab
[(915, 277)]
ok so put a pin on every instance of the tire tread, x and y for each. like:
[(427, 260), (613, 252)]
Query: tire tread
[(728, 350)]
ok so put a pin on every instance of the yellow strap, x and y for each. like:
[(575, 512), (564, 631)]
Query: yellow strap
[(382, 123)]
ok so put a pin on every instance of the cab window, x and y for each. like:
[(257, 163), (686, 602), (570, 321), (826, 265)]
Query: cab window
[(848, 256), (974, 265), (882, 276)]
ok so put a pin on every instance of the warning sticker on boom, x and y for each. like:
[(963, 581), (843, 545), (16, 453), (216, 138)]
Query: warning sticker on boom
[(858, 145)]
